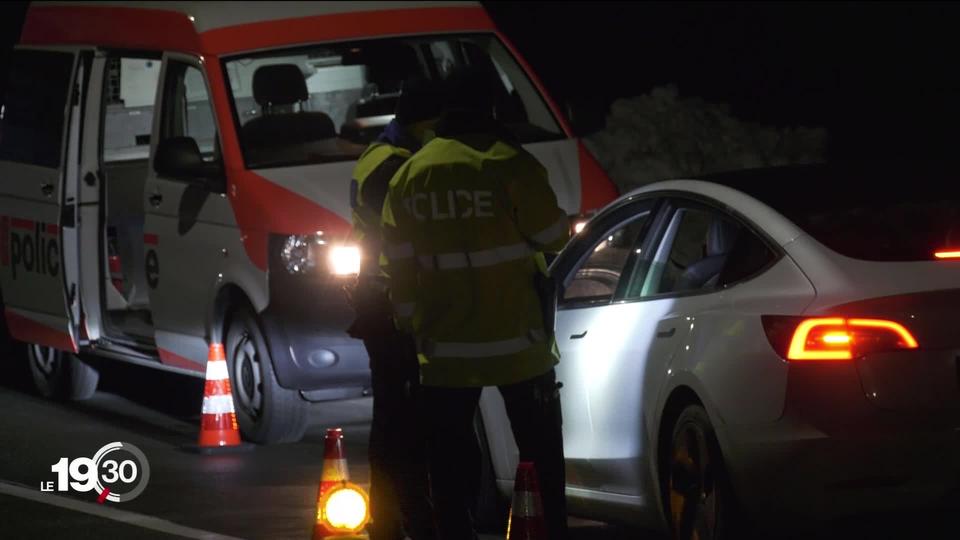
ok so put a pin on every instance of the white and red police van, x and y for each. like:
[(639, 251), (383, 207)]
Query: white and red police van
[(176, 173)]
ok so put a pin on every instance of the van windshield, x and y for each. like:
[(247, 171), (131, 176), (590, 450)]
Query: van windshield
[(348, 93)]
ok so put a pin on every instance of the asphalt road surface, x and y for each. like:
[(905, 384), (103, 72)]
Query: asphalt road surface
[(267, 493)]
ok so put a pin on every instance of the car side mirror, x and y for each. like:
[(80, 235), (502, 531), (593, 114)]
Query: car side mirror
[(180, 157)]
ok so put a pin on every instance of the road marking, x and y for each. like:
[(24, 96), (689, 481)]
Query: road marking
[(109, 512)]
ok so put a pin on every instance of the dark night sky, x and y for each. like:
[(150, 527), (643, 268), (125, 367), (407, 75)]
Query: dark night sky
[(880, 77)]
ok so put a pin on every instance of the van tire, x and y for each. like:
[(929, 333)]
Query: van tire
[(266, 412), (61, 375)]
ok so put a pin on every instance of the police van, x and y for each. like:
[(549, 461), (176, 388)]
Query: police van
[(174, 174)]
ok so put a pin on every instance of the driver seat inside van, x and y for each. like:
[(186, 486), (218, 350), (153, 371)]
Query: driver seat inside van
[(281, 128)]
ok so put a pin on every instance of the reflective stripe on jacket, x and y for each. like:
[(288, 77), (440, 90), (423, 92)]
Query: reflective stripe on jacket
[(463, 223)]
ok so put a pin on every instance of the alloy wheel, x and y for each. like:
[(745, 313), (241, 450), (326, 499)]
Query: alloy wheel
[(694, 498)]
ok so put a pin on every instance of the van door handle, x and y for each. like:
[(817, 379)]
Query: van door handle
[(47, 190), (667, 333), (156, 199), (578, 336)]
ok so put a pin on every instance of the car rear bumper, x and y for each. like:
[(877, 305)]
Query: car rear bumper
[(834, 452)]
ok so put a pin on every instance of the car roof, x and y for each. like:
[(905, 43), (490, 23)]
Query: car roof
[(233, 27)]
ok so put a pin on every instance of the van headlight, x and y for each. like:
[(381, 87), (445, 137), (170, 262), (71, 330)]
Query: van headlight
[(344, 260), (303, 253), (298, 252)]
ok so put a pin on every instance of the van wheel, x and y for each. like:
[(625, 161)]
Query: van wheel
[(700, 503), (61, 375), (266, 412)]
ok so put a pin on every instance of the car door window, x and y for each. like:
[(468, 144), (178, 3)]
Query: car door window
[(749, 256), (702, 249), (691, 255), (187, 110), (596, 278)]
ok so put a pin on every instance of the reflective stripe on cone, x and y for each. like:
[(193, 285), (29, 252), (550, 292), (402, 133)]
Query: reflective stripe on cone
[(526, 521)]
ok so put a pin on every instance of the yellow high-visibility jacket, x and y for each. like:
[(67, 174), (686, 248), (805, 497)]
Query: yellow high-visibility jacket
[(368, 188), (464, 223)]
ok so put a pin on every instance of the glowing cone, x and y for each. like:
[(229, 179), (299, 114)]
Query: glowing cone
[(526, 511), (343, 508), (218, 419)]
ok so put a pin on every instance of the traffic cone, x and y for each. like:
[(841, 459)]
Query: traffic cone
[(526, 520), (218, 419), (336, 476)]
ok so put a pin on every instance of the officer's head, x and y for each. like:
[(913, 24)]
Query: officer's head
[(420, 104), (470, 89)]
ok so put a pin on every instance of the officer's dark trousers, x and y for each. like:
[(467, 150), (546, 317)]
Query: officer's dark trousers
[(534, 410), (399, 490)]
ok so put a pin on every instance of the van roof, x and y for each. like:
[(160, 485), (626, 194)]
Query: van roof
[(223, 28)]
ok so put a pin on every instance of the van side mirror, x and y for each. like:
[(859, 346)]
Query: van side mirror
[(180, 157)]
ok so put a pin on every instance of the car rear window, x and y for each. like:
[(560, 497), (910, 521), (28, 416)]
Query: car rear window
[(897, 212)]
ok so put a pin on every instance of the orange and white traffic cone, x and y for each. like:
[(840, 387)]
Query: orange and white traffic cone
[(343, 508), (218, 419), (526, 520)]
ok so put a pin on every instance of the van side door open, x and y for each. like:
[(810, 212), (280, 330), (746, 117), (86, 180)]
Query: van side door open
[(40, 126)]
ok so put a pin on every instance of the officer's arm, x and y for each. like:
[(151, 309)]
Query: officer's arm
[(398, 259), (541, 221)]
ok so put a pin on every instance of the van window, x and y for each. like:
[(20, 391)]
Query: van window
[(187, 110), (131, 91), (33, 107), (326, 103)]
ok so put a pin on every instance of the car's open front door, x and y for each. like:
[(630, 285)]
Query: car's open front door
[(40, 126)]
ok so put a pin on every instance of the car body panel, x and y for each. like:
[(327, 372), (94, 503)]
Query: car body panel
[(799, 439)]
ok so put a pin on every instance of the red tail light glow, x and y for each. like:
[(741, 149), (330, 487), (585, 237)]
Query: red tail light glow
[(834, 338), (947, 254)]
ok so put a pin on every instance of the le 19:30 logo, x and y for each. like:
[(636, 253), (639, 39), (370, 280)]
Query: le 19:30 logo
[(118, 472)]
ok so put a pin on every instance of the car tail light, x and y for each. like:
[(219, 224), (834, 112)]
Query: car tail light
[(947, 254), (834, 338)]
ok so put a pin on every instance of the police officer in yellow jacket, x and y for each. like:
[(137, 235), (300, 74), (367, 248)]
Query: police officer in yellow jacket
[(465, 223), (399, 490)]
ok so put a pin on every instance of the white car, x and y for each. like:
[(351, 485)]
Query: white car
[(770, 344)]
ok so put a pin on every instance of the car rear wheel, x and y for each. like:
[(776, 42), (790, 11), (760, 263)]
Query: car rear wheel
[(700, 504), (61, 375), (266, 412)]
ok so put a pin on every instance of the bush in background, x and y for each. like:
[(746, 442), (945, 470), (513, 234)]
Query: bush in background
[(660, 135)]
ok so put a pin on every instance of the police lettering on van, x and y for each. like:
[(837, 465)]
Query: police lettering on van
[(30, 246)]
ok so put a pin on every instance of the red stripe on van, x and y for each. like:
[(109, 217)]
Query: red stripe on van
[(337, 26), (175, 360), (111, 26), (18, 223), (30, 331), (53, 228), (151, 239)]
